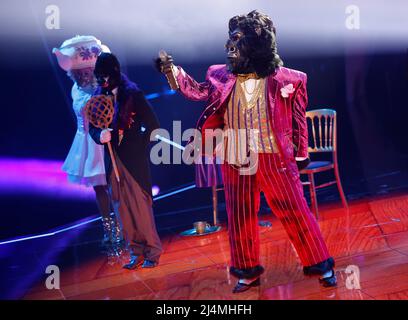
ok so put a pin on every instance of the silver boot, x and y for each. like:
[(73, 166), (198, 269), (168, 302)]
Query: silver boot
[(108, 224), (107, 231), (117, 240)]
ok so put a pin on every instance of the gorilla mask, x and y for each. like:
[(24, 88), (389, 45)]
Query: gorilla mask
[(107, 71), (251, 46), (237, 56)]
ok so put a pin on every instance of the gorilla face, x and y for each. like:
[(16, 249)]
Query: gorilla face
[(251, 47), (107, 71), (237, 55)]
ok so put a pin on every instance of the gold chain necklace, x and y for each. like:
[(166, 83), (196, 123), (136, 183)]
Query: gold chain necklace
[(255, 87), (257, 94), (242, 78)]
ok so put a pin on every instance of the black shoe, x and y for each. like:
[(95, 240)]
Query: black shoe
[(242, 287), (149, 264), (319, 268), (134, 263), (329, 281)]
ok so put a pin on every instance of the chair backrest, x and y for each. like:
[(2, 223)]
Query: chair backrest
[(322, 126)]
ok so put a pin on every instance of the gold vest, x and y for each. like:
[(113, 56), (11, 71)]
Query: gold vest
[(247, 123)]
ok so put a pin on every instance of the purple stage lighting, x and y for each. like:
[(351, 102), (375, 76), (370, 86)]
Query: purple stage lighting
[(42, 177), (155, 190)]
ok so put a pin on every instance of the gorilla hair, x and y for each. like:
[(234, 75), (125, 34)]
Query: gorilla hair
[(259, 41)]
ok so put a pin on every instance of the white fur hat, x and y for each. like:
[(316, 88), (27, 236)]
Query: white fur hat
[(79, 52)]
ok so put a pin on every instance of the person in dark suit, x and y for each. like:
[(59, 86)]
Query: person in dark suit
[(129, 134)]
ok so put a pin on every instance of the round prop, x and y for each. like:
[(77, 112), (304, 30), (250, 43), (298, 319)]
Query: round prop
[(99, 110)]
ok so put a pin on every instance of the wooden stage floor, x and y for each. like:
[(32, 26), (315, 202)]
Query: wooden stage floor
[(372, 238)]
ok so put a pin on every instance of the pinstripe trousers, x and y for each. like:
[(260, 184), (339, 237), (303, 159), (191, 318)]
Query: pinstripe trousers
[(284, 194)]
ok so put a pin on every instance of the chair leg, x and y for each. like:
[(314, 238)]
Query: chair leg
[(340, 188), (313, 197), (215, 204)]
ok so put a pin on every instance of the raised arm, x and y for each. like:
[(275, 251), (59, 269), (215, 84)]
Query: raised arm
[(189, 87)]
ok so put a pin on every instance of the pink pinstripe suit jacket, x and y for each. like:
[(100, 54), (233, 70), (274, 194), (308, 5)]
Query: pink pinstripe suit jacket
[(288, 115)]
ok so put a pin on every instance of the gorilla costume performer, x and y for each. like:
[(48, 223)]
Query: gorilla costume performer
[(133, 121), (255, 93)]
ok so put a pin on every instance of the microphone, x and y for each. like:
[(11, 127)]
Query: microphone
[(169, 74)]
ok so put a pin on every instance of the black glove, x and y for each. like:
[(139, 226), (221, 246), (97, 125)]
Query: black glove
[(303, 163), (163, 64)]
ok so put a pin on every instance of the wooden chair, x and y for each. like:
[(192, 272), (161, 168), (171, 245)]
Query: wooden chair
[(322, 123)]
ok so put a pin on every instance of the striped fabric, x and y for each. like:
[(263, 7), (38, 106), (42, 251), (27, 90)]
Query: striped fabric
[(249, 125), (284, 193)]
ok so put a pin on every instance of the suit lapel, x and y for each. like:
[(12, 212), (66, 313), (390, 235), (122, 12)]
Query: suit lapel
[(272, 92), (229, 84)]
